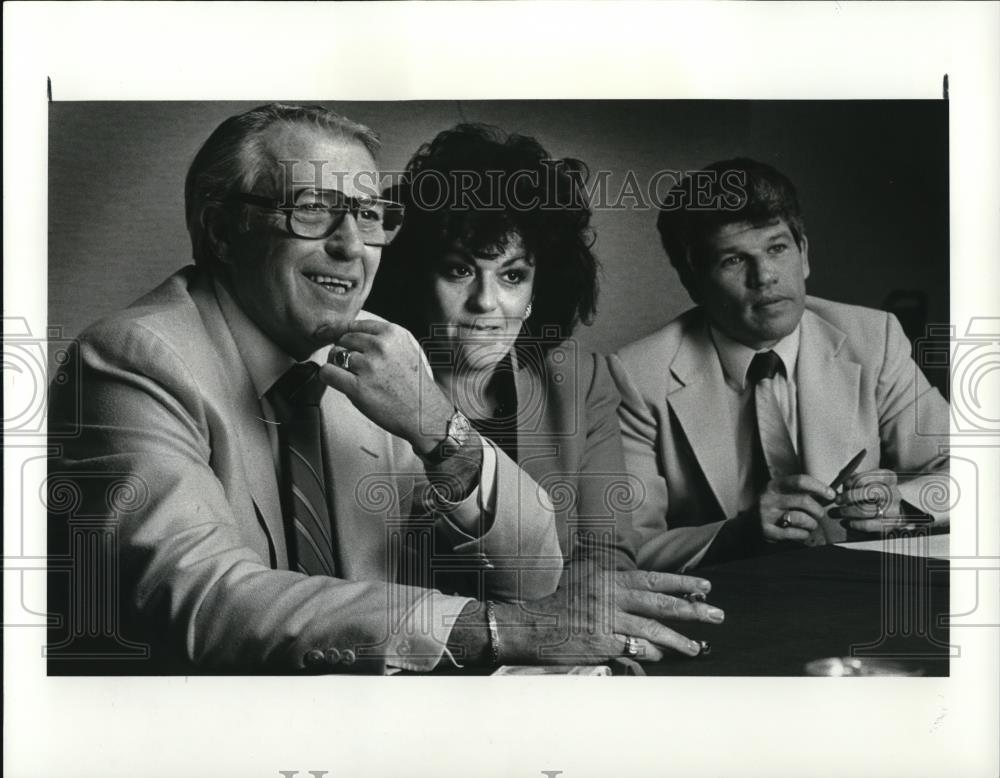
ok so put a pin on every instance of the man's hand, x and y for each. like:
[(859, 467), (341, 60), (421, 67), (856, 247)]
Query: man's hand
[(587, 620), (386, 380), (790, 507), (871, 502)]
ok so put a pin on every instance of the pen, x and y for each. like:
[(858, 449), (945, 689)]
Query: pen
[(848, 470)]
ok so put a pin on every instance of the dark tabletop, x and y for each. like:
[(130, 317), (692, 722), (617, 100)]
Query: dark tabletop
[(786, 609)]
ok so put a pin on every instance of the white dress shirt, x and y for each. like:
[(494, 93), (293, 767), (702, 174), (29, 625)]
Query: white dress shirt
[(739, 413)]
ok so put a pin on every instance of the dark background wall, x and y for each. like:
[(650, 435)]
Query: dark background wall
[(872, 177)]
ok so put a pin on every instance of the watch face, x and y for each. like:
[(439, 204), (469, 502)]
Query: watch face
[(459, 427)]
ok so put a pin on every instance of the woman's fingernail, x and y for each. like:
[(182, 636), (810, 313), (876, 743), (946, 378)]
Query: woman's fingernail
[(716, 615), (704, 585), (694, 646)]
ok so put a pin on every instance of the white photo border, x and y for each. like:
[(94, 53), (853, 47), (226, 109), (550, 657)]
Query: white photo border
[(518, 726)]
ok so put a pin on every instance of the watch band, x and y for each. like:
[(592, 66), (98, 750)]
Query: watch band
[(494, 633), (456, 435)]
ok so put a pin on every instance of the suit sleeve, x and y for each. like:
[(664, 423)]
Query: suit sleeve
[(600, 528), (518, 556), (515, 557), (660, 546), (188, 575), (914, 424)]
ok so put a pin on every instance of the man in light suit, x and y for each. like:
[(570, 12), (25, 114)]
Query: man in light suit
[(268, 511), (734, 458)]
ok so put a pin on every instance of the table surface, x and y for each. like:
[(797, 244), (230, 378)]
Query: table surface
[(786, 609)]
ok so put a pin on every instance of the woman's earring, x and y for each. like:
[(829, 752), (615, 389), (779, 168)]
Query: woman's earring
[(527, 312)]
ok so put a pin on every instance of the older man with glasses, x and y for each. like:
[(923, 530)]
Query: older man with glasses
[(289, 451)]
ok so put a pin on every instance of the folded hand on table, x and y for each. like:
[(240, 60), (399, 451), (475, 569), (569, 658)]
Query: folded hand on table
[(597, 615)]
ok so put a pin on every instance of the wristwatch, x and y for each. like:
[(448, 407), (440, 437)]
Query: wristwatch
[(456, 435)]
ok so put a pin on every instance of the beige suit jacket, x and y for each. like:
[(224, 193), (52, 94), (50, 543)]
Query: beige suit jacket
[(164, 398), (857, 388)]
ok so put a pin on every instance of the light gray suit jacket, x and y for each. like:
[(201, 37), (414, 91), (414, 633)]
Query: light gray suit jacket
[(857, 388), (165, 399)]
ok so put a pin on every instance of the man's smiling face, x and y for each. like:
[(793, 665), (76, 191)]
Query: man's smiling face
[(304, 293), (751, 280)]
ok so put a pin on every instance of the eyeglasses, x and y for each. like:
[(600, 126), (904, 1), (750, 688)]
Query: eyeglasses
[(319, 212)]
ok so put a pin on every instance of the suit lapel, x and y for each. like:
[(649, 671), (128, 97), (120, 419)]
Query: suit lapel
[(363, 489), (697, 403), (828, 383), (246, 422), (537, 452)]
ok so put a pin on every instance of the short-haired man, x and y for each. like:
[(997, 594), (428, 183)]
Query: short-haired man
[(740, 413), (272, 432)]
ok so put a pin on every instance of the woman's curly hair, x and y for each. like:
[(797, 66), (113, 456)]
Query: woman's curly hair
[(473, 187)]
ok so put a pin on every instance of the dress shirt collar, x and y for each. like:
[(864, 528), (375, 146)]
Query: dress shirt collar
[(265, 360), (736, 358)]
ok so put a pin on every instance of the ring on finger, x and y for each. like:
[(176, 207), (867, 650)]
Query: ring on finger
[(784, 522), (343, 359), (631, 647)]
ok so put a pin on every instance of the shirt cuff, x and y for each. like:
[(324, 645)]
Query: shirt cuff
[(424, 631), (479, 505), (929, 493)]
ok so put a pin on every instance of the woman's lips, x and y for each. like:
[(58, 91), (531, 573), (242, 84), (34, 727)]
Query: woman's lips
[(480, 328)]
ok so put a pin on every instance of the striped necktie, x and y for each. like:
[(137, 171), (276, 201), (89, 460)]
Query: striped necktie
[(295, 398)]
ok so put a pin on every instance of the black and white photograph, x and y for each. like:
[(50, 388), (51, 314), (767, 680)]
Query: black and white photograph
[(545, 466), (348, 399)]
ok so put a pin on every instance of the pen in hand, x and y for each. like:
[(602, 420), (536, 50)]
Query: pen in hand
[(846, 472)]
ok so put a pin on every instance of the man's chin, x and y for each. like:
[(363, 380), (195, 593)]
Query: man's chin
[(768, 336), (328, 332), (774, 328)]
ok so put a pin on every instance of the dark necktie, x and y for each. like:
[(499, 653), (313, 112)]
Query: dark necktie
[(295, 398), (775, 441), (775, 452)]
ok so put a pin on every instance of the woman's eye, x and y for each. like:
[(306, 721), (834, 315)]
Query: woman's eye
[(514, 276), (457, 271), (778, 248), (731, 261)]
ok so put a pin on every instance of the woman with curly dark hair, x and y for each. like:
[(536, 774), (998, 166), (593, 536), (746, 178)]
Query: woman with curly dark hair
[(491, 272)]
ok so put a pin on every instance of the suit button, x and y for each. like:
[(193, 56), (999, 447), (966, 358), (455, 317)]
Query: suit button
[(313, 657), (348, 657), (332, 656)]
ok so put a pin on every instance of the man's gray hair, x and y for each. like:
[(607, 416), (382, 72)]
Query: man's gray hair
[(234, 159)]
